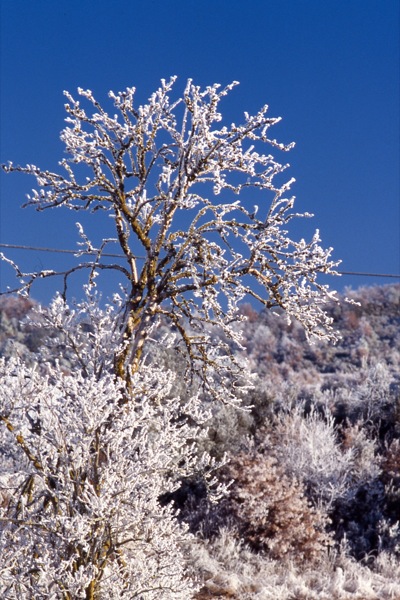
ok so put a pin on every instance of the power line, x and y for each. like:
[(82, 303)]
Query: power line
[(61, 251), (115, 255), (369, 274)]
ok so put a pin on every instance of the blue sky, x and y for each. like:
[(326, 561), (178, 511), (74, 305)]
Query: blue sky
[(329, 68)]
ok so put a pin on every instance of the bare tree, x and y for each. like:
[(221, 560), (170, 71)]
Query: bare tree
[(81, 473), (158, 170), (87, 452)]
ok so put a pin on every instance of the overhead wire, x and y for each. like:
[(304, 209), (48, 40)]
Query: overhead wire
[(116, 255), (62, 251)]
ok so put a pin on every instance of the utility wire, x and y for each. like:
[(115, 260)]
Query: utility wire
[(112, 255), (59, 250), (369, 274)]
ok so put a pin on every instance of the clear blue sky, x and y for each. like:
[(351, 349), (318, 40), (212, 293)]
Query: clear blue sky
[(330, 68)]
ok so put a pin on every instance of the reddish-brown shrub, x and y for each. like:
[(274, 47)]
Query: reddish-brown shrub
[(273, 514)]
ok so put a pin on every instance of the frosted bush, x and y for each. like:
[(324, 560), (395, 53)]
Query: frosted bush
[(307, 447), (230, 570), (83, 471)]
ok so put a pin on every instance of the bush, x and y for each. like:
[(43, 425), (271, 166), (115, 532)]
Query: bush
[(272, 512)]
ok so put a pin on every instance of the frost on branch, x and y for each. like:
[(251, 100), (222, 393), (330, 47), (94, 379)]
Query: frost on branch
[(82, 473), (181, 188)]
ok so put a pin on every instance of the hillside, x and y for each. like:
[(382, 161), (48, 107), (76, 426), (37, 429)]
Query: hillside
[(370, 333), (314, 506), (318, 455)]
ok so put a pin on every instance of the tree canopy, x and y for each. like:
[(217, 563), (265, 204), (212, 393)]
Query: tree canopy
[(180, 187)]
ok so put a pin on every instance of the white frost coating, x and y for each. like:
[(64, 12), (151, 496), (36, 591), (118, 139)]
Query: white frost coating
[(89, 451), (158, 170), (82, 473)]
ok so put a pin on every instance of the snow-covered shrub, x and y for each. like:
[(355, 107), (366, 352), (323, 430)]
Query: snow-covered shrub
[(81, 506), (83, 470), (229, 569), (372, 400), (306, 446), (389, 527)]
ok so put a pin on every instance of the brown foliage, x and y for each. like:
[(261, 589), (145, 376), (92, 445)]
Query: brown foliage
[(273, 513)]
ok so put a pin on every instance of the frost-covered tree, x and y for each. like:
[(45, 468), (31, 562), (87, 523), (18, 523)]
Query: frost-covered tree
[(180, 188), (89, 449), (81, 472)]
